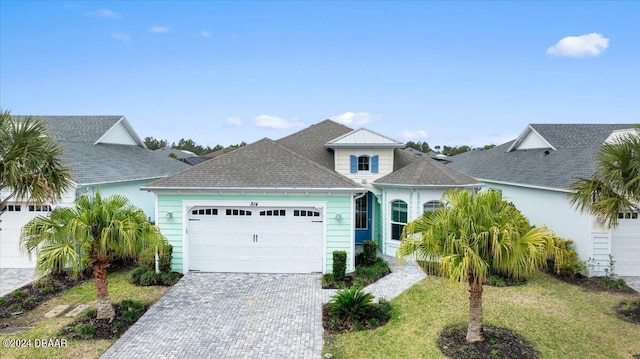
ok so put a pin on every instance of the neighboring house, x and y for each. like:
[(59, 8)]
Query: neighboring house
[(284, 206), (534, 172), (103, 153)]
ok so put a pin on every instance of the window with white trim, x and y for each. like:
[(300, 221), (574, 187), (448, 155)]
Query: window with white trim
[(38, 208), (274, 213), (363, 163), (13, 208), (304, 213), (432, 206), (237, 212), (398, 219), (205, 212)]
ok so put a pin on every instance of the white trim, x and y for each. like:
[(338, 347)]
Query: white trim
[(123, 181), (129, 129), (333, 144), (524, 133), (479, 184), (251, 190), (352, 230), (188, 204), (489, 181)]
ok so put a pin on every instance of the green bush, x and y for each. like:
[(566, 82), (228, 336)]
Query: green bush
[(608, 283), (383, 310), (339, 265), (164, 262), (566, 263), (169, 278), (349, 305), (85, 329), (136, 274), (149, 278), (47, 290), (147, 259), (19, 293), (29, 303), (2, 301), (370, 253)]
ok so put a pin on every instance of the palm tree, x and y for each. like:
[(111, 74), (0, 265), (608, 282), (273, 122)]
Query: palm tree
[(475, 235), (92, 232), (30, 166), (615, 186)]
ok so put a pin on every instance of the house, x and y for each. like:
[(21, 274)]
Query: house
[(284, 206), (103, 153), (534, 172)]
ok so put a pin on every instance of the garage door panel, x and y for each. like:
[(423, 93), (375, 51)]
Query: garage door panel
[(625, 247), (264, 240)]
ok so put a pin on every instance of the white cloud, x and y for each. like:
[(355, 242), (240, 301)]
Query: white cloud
[(120, 36), (275, 122), (354, 118), (159, 29), (105, 13), (592, 44), (205, 33), (234, 121), (413, 135)]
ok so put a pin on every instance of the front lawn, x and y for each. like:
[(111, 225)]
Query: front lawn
[(119, 289), (561, 320)]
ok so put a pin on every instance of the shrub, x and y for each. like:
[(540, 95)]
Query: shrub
[(147, 259), (15, 307), (149, 278), (169, 278), (136, 274), (383, 310), (2, 300), (339, 265), (350, 304), (47, 290), (378, 269), (370, 253), (29, 303), (502, 280), (85, 329), (608, 283), (165, 260), (566, 263), (19, 293)]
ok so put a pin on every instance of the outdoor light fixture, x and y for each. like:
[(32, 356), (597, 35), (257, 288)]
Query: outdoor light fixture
[(338, 216), (169, 215)]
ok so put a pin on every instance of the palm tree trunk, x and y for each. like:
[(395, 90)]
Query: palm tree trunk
[(474, 330), (105, 309)]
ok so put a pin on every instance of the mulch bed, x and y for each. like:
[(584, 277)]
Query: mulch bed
[(333, 326), (629, 311), (32, 295), (593, 284), (498, 343), (88, 327)]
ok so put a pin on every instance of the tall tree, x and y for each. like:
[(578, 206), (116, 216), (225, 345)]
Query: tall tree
[(30, 164), (475, 235), (153, 144), (615, 186), (93, 231), (420, 146)]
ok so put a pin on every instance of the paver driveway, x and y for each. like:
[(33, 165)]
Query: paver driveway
[(231, 315)]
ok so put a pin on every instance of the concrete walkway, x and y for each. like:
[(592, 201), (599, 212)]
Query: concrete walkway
[(238, 315), (14, 278)]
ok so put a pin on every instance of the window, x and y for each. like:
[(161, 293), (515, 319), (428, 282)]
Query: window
[(628, 215), (363, 163), (361, 213), (432, 206), (398, 219), (13, 208), (303, 213), (44, 208), (205, 212), (273, 213), (237, 212)]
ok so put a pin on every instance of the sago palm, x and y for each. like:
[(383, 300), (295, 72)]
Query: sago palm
[(615, 187), (475, 235), (92, 232), (30, 164)]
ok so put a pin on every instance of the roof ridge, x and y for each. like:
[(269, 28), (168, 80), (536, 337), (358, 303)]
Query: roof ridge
[(312, 125)]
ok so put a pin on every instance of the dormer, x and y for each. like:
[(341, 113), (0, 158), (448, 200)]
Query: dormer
[(363, 155), (530, 139), (121, 133)]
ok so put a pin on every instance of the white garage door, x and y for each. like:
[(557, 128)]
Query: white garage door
[(255, 239), (625, 245), (13, 219)]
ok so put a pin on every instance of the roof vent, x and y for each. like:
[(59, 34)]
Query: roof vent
[(545, 153)]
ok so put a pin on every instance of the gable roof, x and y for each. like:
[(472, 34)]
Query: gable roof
[(94, 163), (426, 172), (310, 142), (262, 164), (575, 146), (364, 138)]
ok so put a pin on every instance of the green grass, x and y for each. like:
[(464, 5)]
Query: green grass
[(561, 320), (119, 289)]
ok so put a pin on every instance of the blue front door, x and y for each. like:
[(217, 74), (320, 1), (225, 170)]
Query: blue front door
[(363, 218)]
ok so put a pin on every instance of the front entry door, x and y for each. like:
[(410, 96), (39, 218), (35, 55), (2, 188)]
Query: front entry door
[(363, 218)]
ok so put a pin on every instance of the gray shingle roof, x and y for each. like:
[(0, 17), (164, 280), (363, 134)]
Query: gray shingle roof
[(262, 164), (426, 172), (311, 141), (575, 146), (78, 128), (104, 163)]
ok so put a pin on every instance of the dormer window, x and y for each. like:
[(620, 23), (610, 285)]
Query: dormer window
[(363, 163)]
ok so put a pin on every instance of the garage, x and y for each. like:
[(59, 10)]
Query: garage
[(13, 218), (625, 245), (255, 239)]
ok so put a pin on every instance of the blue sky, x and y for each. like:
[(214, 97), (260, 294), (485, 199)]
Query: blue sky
[(449, 73)]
